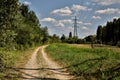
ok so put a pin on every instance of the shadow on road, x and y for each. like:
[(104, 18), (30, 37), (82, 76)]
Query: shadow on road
[(109, 72)]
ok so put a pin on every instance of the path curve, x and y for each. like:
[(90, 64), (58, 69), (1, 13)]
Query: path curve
[(57, 70), (32, 65)]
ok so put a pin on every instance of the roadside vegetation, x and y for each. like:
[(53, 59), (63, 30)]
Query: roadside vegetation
[(11, 60), (87, 63), (20, 31)]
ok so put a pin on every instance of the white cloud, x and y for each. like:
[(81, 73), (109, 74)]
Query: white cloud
[(84, 28), (59, 24), (62, 12), (27, 3), (107, 2), (78, 8), (48, 19), (66, 21), (84, 23), (108, 11), (63, 23), (96, 17), (87, 24), (116, 17), (80, 22)]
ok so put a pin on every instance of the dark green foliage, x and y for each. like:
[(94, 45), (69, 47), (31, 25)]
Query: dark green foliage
[(109, 34), (90, 38), (24, 10), (99, 33), (55, 38), (70, 35), (63, 38), (44, 31), (19, 26), (72, 40), (81, 41), (8, 12), (19, 29)]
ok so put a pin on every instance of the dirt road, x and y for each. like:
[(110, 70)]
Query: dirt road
[(47, 67), (30, 66)]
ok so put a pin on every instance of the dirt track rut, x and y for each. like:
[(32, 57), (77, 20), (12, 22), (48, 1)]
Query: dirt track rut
[(51, 70)]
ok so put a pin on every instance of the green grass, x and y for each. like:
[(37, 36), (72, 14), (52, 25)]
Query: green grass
[(87, 63), (9, 59)]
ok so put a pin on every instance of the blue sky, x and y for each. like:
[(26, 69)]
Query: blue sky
[(58, 15)]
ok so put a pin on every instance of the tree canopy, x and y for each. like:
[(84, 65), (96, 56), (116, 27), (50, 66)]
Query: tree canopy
[(19, 26), (110, 33)]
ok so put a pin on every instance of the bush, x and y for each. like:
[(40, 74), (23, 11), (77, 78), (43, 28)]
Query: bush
[(118, 44)]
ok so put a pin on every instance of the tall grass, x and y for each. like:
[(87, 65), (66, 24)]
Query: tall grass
[(10, 59), (87, 63)]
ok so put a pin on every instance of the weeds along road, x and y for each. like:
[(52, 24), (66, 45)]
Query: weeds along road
[(45, 68)]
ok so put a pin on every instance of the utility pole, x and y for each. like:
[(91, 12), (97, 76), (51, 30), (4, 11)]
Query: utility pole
[(75, 27)]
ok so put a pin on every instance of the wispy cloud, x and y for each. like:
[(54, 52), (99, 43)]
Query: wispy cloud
[(116, 17), (87, 24), (66, 21), (108, 11), (84, 23), (84, 28), (107, 2), (27, 3), (48, 19), (57, 23), (67, 11), (96, 17), (78, 8), (62, 11)]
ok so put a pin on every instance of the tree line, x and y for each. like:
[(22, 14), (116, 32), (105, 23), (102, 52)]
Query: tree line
[(110, 33), (20, 30), (19, 26)]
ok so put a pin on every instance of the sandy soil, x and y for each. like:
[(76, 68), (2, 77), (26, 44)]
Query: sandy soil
[(31, 64), (58, 71), (45, 68)]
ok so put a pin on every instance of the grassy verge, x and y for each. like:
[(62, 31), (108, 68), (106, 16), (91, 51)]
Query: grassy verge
[(11, 59), (87, 63)]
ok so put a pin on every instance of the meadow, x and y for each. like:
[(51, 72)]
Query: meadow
[(86, 63)]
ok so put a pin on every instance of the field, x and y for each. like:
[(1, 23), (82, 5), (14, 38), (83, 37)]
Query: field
[(86, 63)]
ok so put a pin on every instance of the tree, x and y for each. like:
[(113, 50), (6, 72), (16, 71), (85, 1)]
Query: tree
[(110, 32), (63, 38), (70, 35), (45, 34), (55, 38), (24, 10), (8, 15), (99, 33), (90, 38)]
